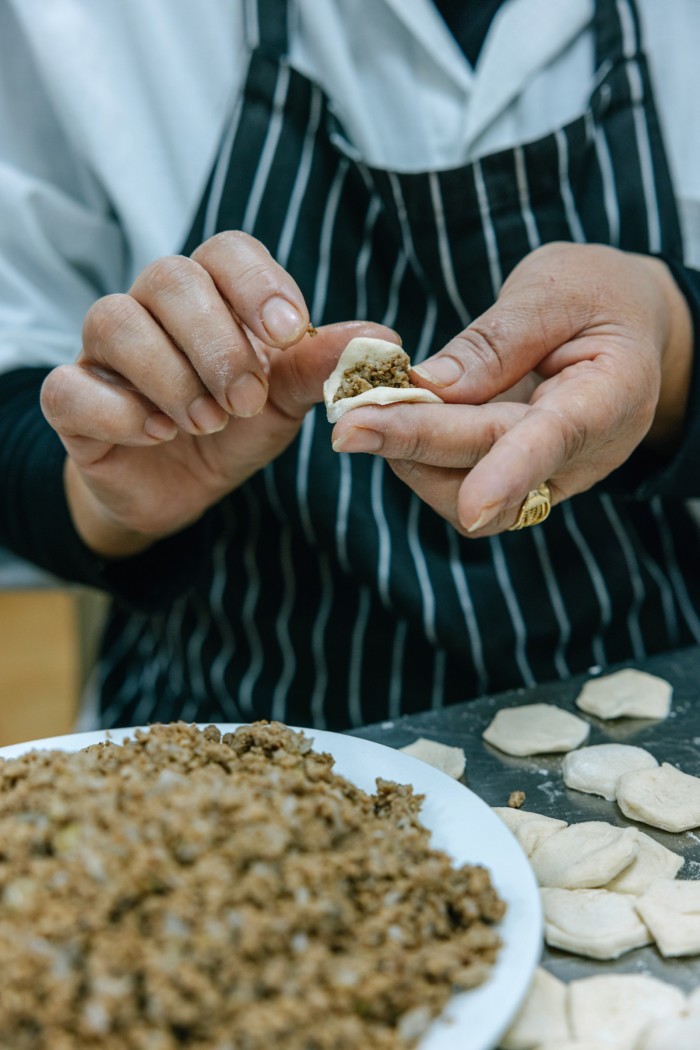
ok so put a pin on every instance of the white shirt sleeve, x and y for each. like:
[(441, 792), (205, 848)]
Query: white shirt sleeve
[(60, 246)]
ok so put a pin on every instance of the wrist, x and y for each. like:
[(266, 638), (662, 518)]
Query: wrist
[(676, 359)]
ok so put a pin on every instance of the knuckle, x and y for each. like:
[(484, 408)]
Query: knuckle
[(227, 243), (485, 339), (171, 276), (108, 319), (55, 391)]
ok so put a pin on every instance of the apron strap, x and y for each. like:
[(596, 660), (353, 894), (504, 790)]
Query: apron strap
[(616, 31), (267, 25)]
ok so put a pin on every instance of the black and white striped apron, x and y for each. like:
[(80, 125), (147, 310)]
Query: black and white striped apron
[(333, 596)]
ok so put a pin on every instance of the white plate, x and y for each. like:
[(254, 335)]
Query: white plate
[(467, 829)]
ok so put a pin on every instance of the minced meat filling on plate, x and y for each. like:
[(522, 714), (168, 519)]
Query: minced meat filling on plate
[(189, 890)]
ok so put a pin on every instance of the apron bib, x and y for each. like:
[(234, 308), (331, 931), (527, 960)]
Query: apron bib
[(333, 596)]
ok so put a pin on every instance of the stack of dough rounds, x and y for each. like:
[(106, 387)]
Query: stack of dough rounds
[(535, 729), (530, 829), (584, 856), (628, 693), (671, 910), (594, 923)]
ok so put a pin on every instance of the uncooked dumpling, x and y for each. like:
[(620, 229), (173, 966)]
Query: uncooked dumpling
[(671, 910), (584, 856), (543, 1016), (629, 693), (535, 729), (371, 372), (653, 861), (597, 769), (530, 829), (594, 923), (663, 797), (447, 759), (615, 1009)]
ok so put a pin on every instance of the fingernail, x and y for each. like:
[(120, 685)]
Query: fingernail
[(160, 427), (441, 371), (282, 321), (207, 415), (247, 395), (358, 439), (488, 513)]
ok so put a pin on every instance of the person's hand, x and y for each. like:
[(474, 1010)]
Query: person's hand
[(182, 390), (607, 336)]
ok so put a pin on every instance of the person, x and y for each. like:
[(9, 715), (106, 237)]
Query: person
[(222, 196)]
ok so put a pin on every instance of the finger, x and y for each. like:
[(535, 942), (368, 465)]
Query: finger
[(439, 487), (121, 336), (299, 374), (91, 414), (548, 300), (184, 299), (440, 435), (260, 291), (576, 433)]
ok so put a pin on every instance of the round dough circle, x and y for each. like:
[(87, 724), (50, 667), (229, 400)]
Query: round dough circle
[(535, 729)]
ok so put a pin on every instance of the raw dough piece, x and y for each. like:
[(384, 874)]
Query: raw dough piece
[(653, 861), (628, 693), (663, 797), (671, 910), (693, 1003), (584, 856), (594, 923), (535, 729), (543, 1015), (530, 829), (447, 759), (597, 769), (615, 1009), (373, 357), (671, 1033)]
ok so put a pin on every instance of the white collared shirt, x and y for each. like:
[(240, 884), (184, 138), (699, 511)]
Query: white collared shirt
[(111, 112)]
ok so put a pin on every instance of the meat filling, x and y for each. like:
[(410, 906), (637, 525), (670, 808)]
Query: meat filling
[(366, 375), (235, 893)]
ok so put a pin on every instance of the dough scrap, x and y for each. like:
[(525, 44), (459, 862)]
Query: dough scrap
[(627, 693), (653, 861), (586, 855), (594, 923), (671, 1033), (616, 1008), (376, 353), (530, 829), (447, 759), (663, 797), (535, 729), (596, 770), (671, 910), (543, 1015)]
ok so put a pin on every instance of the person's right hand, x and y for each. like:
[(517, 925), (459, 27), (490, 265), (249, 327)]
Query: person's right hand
[(182, 390)]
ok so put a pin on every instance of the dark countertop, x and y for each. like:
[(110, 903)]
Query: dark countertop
[(493, 775)]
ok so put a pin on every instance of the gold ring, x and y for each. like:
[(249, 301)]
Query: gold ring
[(535, 508)]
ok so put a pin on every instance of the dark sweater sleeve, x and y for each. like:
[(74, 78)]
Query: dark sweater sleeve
[(35, 521), (645, 474)]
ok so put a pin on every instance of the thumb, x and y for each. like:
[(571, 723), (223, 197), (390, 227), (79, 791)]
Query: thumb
[(542, 306)]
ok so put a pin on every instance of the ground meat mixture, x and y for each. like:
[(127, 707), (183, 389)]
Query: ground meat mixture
[(188, 890), (365, 375)]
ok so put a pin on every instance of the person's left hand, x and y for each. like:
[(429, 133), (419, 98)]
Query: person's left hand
[(608, 336)]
